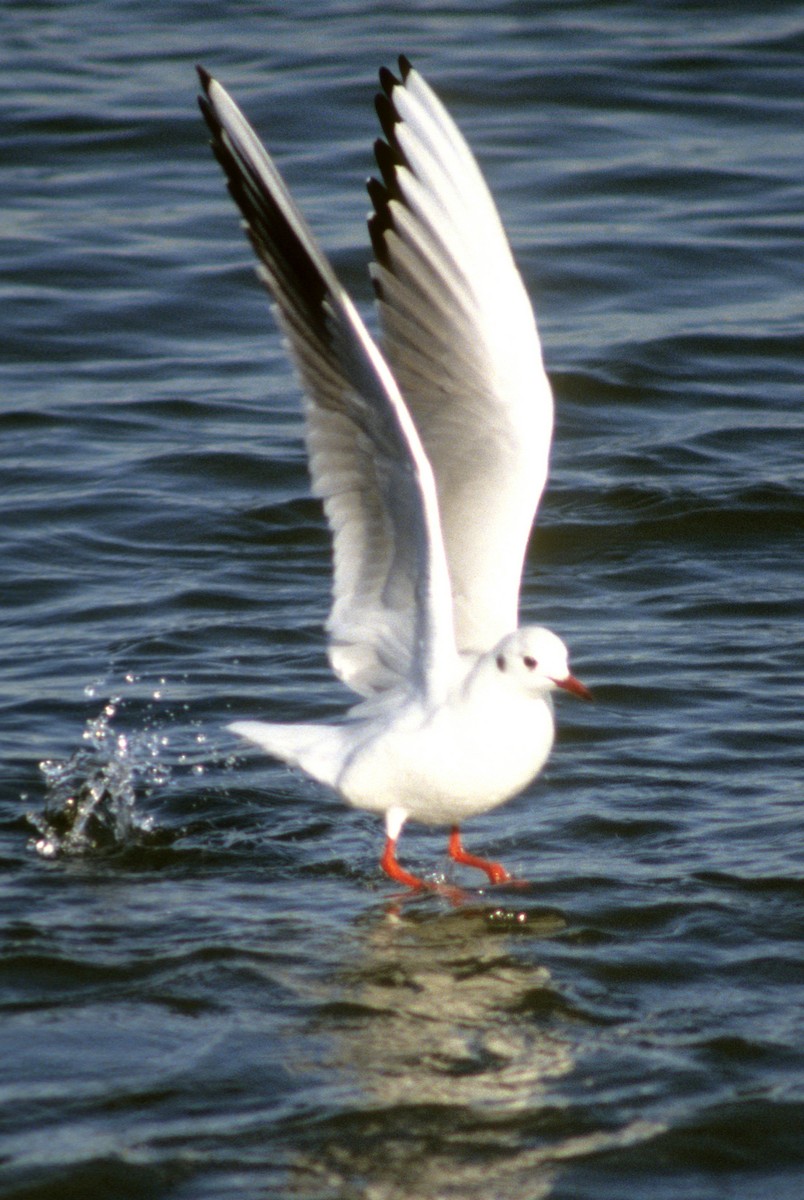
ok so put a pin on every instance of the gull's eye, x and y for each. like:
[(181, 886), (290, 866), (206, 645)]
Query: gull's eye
[(529, 662), (500, 662)]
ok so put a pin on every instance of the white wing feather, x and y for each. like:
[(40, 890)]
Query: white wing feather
[(461, 339), (391, 621)]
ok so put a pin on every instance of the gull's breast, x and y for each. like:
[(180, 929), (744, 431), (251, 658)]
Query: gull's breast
[(453, 763)]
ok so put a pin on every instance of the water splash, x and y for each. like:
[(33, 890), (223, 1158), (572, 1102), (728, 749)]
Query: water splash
[(92, 797)]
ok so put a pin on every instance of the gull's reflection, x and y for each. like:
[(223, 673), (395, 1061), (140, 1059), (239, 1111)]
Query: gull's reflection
[(444, 1001), (442, 1037)]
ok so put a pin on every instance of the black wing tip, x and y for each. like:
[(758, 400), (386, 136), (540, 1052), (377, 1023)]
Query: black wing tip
[(405, 68), (389, 81), (378, 193), (386, 115), (380, 221), (389, 160), (389, 157), (205, 102)]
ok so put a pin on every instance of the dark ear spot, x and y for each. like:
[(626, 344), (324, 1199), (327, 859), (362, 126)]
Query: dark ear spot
[(500, 662), (529, 662)]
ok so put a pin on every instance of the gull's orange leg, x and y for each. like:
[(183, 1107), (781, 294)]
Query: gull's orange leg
[(389, 864), (495, 871)]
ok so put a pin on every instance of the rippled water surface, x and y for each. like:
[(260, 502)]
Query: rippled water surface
[(208, 988)]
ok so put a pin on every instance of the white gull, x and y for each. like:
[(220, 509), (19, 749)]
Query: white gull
[(430, 457)]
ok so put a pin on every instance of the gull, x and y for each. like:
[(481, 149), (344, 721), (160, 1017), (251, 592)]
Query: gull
[(430, 456)]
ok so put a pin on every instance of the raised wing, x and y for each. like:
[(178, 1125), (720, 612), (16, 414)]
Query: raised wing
[(391, 619), (461, 339)]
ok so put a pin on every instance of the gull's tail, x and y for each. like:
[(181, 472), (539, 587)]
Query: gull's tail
[(319, 750)]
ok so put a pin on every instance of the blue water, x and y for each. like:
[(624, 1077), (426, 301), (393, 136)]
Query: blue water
[(208, 989)]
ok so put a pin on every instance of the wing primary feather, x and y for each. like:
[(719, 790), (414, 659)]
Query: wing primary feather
[(459, 334), (379, 225), (388, 81), (391, 621), (386, 115), (390, 160)]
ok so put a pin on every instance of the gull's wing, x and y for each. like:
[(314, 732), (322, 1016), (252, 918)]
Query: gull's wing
[(391, 619), (460, 336)]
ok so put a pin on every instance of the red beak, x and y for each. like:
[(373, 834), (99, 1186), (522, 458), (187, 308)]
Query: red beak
[(571, 684)]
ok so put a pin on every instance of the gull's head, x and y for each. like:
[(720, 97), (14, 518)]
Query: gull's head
[(537, 660)]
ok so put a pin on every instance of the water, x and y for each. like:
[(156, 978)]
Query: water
[(207, 988)]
